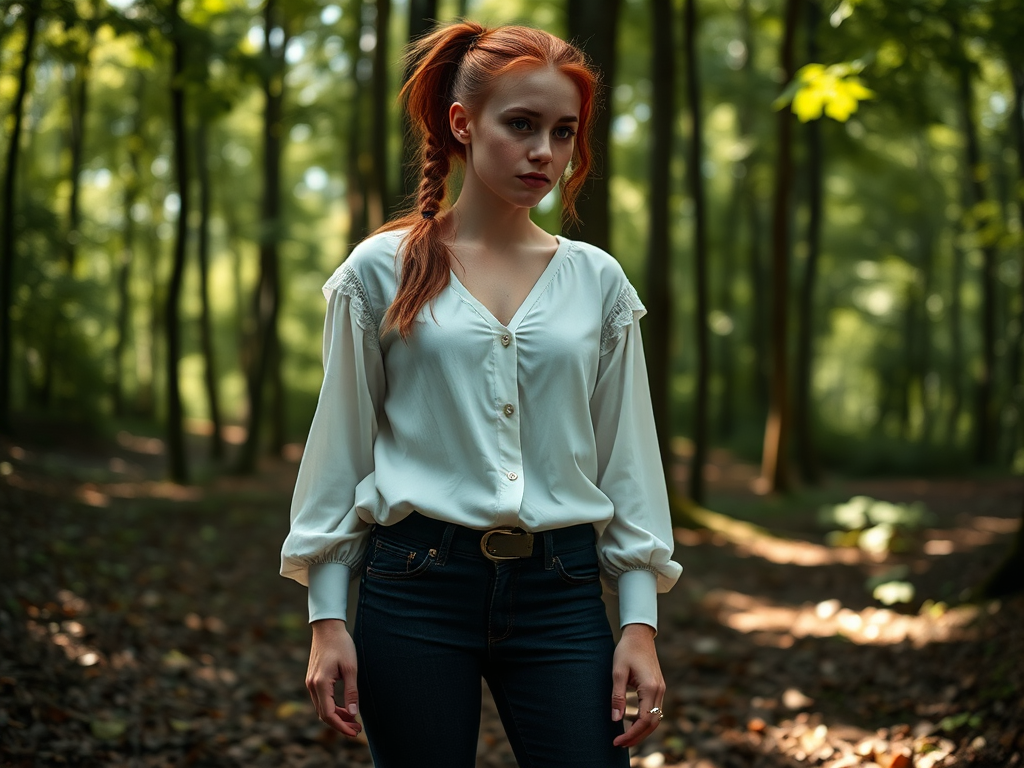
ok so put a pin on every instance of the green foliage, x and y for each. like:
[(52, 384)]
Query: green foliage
[(896, 335), (874, 526)]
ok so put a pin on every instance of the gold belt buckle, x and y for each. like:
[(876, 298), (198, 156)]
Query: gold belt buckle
[(511, 544)]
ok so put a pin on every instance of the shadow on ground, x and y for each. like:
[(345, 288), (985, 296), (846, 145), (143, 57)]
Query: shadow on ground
[(143, 624)]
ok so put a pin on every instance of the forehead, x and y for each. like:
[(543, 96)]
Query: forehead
[(540, 89)]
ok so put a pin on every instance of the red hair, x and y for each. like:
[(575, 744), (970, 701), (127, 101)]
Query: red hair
[(460, 62)]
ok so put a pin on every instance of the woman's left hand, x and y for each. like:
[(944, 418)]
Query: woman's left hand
[(636, 665)]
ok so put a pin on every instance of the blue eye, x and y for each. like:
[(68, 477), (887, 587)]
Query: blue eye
[(564, 132), (519, 124)]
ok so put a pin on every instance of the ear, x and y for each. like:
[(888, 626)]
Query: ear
[(458, 121)]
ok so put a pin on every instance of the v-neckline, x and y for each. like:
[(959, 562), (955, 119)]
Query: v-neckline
[(531, 297)]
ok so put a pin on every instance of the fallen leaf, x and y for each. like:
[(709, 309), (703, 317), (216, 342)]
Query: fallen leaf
[(108, 730)]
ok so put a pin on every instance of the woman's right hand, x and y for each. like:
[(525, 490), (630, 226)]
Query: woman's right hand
[(332, 657)]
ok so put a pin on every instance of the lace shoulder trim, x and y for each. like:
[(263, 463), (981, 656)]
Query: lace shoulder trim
[(346, 282), (620, 317)]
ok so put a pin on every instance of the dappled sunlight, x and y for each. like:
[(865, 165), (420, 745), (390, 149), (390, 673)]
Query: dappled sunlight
[(750, 541), (152, 446), (58, 622), (780, 624), (812, 738), (780, 551)]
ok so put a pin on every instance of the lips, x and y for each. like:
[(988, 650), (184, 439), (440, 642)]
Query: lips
[(535, 180)]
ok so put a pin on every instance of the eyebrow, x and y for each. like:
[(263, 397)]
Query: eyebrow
[(533, 113)]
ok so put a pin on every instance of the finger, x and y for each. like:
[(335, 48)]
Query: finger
[(335, 721), (641, 728), (620, 676), (351, 694), (322, 691), (644, 725)]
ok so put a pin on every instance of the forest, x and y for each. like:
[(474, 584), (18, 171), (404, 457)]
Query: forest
[(820, 203)]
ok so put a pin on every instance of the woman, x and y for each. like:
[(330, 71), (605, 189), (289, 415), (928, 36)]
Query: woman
[(484, 449)]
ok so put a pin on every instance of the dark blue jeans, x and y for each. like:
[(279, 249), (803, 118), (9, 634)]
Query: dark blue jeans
[(435, 616)]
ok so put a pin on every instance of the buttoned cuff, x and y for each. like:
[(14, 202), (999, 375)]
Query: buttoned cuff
[(328, 591), (638, 598)]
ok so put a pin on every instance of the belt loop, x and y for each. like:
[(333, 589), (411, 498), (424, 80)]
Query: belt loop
[(549, 551), (446, 544)]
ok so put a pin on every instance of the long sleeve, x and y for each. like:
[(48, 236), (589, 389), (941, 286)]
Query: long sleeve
[(636, 546), (327, 535)]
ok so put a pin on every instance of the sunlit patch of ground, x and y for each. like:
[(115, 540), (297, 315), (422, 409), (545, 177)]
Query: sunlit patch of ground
[(143, 624)]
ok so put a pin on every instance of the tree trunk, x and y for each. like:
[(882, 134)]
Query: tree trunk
[(7, 254), (803, 414), (1017, 344), (267, 297), (774, 463), (150, 350), (724, 357), (356, 183), (205, 330), (127, 256), (463, 9), (593, 25), (1008, 577), (175, 418), (658, 293), (956, 337), (926, 241), (985, 412), (380, 199), (695, 175), (422, 18), (79, 112), (758, 321)]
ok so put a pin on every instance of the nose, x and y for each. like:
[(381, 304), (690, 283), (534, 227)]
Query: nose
[(541, 150)]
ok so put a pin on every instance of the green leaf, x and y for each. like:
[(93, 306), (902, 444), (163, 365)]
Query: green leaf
[(108, 730)]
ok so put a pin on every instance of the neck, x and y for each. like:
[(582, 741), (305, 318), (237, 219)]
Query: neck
[(483, 217)]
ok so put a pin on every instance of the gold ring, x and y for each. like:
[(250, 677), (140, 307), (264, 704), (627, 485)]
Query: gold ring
[(657, 711)]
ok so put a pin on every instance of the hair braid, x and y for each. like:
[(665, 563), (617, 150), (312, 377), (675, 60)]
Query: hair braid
[(460, 62), (436, 167)]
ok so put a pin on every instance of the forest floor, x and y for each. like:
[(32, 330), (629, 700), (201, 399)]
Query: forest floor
[(143, 623)]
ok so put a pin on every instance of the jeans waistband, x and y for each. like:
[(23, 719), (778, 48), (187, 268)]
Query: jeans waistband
[(451, 537)]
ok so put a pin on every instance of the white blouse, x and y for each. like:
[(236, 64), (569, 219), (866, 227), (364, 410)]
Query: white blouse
[(542, 423)]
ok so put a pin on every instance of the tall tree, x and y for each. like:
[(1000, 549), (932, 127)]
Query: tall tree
[(78, 47), (774, 466), (267, 297), (695, 174), (758, 319), (357, 165), (985, 412), (175, 417), (658, 339), (1017, 344), (205, 323), (593, 25), (132, 188), (380, 197), (32, 11), (803, 402), (422, 18)]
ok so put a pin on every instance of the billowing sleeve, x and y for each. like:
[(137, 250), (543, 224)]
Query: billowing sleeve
[(636, 546), (327, 536)]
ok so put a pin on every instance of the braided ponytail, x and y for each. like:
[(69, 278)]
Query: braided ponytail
[(459, 62)]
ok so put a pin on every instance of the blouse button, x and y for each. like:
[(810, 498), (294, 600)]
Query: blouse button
[(509, 409), (505, 340), (512, 476)]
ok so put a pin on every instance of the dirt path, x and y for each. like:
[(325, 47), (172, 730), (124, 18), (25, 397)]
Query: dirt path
[(143, 624)]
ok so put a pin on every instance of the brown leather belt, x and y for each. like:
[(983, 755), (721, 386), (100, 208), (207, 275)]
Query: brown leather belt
[(506, 544)]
